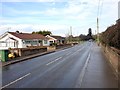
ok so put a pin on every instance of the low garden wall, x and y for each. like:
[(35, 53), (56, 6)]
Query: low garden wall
[(28, 51), (63, 46), (113, 56), (19, 52)]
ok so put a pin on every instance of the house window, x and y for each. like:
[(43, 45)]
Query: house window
[(27, 42), (14, 44), (45, 41), (23, 41), (40, 41)]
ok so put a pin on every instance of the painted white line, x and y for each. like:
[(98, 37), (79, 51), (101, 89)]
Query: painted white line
[(58, 58), (16, 80), (68, 53), (77, 51), (83, 72), (53, 61), (81, 48)]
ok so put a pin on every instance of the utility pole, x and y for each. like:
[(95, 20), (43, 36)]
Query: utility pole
[(98, 41), (70, 33), (71, 30)]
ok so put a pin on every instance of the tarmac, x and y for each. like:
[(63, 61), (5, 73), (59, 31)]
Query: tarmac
[(81, 66), (19, 59)]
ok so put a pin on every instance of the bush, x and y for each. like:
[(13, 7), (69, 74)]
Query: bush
[(111, 36)]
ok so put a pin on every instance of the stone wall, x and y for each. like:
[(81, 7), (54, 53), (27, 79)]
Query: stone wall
[(113, 55), (51, 48), (28, 51), (63, 46)]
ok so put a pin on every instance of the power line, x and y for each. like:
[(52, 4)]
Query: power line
[(98, 8), (98, 22), (101, 8)]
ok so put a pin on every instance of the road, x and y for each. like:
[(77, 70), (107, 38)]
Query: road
[(81, 66)]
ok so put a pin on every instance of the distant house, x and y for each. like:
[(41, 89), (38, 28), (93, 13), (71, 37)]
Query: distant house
[(56, 39), (22, 40)]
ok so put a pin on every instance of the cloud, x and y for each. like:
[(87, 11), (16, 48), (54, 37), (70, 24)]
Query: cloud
[(81, 14), (51, 12), (13, 12), (6, 21), (28, 28), (34, 0)]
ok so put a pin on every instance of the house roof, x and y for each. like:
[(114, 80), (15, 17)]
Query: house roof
[(27, 36), (57, 37)]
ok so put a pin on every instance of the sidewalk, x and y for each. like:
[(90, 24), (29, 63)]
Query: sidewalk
[(99, 73)]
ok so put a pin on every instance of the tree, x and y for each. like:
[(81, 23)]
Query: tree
[(89, 36), (90, 32), (44, 32), (83, 37)]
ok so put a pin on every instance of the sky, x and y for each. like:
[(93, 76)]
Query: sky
[(57, 15)]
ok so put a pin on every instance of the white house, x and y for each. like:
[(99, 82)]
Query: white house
[(55, 39), (22, 40)]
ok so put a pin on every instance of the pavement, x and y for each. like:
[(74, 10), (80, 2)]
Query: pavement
[(81, 66)]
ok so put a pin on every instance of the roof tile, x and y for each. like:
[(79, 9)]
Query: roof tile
[(27, 36)]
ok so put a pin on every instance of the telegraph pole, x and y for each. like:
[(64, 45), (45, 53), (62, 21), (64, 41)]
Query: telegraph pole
[(98, 41), (71, 30), (70, 33)]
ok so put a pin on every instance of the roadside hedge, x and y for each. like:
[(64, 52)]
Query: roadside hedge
[(111, 36)]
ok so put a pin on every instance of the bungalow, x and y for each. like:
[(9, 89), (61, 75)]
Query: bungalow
[(56, 39), (22, 40)]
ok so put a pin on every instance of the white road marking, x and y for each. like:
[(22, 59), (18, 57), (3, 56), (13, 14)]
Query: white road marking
[(77, 51), (81, 48), (83, 72), (53, 61), (68, 53), (16, 80)]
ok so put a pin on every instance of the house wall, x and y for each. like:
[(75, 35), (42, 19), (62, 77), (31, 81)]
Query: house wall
[(34, 42), (5, 39), (46, 43), (21, 43), (51, 39), (54, 40)]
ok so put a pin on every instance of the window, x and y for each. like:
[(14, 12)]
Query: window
[(40, 41), (45, 41)]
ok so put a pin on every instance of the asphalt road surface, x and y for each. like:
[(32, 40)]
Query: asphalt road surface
[(81, 66)]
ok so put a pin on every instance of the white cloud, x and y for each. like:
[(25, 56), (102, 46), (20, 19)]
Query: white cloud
[(33, 0), (28, 28), (83, 13), (51, 12), (6, 21)]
